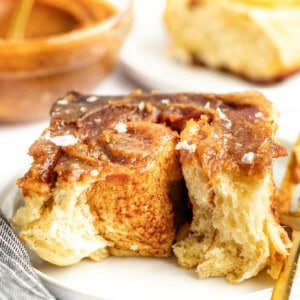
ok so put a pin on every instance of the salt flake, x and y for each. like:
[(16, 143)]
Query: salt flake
[(64, 140), (121, 127), (95, 173), (141, 106), (184, 145), (91, 99), (165, 101), (248, 158), (134, 247), (223, 117), (259, 114), (62, 101)]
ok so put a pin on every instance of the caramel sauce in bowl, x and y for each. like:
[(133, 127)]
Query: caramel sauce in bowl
[(68, 45)]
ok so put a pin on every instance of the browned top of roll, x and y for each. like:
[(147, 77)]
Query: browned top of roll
[(93, 133)]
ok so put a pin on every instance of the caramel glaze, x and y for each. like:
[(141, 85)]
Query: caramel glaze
[(231, 126)]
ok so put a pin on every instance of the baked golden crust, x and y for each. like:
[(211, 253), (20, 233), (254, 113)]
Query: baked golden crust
[(115, 161), (244, 118)]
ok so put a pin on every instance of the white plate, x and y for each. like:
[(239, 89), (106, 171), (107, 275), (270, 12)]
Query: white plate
[(146, 60), (140, 278)]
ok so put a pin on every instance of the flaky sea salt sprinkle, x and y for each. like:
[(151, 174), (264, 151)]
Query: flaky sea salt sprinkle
[(248, 158), (223, 117), (91, 99), (121, 127), (62, 101), (184, 145), (141, 106), (207, 105), (95, 173), (165, 101), (134, 247), (64, 140)]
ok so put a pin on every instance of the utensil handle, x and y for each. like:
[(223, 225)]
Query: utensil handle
[(19, 21), (284, 283)]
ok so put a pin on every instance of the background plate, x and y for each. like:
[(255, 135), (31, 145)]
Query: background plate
[(146, 59)]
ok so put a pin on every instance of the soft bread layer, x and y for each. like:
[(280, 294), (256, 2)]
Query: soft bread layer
[(260, 42), (234, 232), (62, 231)]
